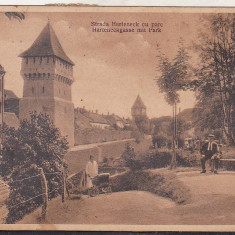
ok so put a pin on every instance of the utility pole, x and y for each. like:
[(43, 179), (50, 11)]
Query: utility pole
[(2, 74)]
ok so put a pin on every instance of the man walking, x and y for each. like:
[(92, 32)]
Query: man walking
[(209, 150)]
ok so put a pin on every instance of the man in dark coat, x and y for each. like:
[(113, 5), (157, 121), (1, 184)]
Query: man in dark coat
[(209, 150)]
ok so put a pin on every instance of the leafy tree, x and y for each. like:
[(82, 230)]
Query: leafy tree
[(214, 74), (208, 115), (129, 158), (143, 124), (36, 144), (174, 76)]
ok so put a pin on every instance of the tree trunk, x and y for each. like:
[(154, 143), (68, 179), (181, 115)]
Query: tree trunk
[(173, 158)]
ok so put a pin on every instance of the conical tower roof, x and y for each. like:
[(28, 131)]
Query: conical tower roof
[(47, 44), (138, 103)]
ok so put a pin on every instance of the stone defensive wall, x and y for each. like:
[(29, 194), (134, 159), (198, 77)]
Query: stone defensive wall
[(78, 156), (93, 135)]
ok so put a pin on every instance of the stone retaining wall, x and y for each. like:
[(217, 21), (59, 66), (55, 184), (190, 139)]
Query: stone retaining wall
[(77, 159)]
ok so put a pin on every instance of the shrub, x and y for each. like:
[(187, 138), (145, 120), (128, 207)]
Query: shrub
[(158, 159), (37, 143), (163, 183), (187, 159), (161, 141)]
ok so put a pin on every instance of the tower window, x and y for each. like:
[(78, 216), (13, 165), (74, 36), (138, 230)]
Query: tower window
[(32, 90), (34, 59), (48, 59), (43, 89), (27, 60), (40, 60)]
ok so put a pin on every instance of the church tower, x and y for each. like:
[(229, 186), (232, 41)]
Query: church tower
[(138, 109), (48, 75)]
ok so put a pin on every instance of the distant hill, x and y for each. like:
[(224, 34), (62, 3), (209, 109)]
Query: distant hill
[(161, 119), (186, 114)]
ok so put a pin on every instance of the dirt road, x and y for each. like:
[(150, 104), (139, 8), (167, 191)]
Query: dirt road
[(213, 202)]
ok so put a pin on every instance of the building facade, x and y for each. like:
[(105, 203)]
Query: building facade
[(48, 75)]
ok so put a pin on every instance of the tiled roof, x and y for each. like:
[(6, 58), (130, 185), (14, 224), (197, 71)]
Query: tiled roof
[(96, 118), (10, 94), (47, 44), (11, 120), (138, 103), (113, 119)]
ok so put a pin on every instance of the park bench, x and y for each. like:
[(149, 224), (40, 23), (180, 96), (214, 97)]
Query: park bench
[(225, 160)]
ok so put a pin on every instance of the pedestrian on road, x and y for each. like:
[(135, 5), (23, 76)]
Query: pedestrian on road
[(209, 150), (91, 171)]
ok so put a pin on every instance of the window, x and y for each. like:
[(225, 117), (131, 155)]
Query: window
[(34, 59), (43, 89), (40, 60), (32, 90), (27, 60), (48, 59)]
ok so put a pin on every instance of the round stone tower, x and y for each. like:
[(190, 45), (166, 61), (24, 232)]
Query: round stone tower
[(48, 75)]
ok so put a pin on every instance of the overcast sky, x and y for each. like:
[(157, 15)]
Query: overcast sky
[(111, 69)]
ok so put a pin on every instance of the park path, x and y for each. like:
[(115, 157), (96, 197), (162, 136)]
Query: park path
[(212, 203), (212, 198)]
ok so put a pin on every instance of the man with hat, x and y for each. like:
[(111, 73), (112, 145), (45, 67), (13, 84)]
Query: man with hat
[(209, 150)]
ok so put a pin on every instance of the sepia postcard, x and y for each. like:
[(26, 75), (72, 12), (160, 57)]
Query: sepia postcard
[(117, 118)]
